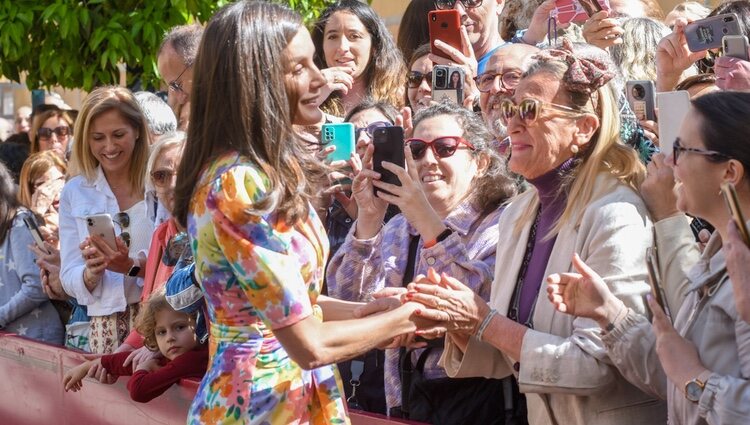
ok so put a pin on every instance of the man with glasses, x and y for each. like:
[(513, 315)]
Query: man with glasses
[(175, 62), (498, 81)]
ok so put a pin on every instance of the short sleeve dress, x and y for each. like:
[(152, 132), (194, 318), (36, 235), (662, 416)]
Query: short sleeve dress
[(258, 275)]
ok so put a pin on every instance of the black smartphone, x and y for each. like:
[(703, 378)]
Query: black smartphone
[(652, 264), (389, 146), (733, 203), (30, 223)]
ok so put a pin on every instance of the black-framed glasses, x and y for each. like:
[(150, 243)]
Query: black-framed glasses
[(176, 85), (530, 109), (448, 4), (442, 147), (123, 220), (45, 133), (415, 78), (508, 80), (162, 178), (677, 149), (370, 129)]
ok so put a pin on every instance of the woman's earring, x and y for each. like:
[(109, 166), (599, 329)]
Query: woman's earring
[(574, 149)]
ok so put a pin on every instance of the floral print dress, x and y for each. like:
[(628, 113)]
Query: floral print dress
[(258, 275)]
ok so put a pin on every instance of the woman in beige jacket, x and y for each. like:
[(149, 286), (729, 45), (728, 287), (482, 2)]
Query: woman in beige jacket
[(702, 364), (564, 130)]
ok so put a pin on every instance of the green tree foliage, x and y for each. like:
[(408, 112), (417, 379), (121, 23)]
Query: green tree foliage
[(78, 43)]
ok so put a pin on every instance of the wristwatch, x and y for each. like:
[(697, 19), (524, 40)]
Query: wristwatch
[(134, 269), (694, 389)]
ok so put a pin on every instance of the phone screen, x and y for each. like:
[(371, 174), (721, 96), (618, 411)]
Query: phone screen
[(389, 146)]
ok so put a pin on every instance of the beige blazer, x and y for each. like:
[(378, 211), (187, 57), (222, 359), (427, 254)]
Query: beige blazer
[(564, 368)]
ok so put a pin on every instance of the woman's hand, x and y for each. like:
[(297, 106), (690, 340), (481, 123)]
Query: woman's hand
[(49, 268), (657, 189), (732, 73), (95, 263), (43, 198), (338, 78), (537, 31), (72, 380), (602, 31), (98, 372), (738, 265), (451, 303), (410, 198), (149, 365), (678, 356), (650, 130), (583, 294), (673, 57), (405, 120), (370, 208), (116, 260)]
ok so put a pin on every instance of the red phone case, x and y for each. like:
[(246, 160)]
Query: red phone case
[(444, 25)]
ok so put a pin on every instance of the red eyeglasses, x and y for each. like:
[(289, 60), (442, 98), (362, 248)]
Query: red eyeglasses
[(442, 147)]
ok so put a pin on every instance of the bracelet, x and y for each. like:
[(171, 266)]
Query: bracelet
[(485, 323)]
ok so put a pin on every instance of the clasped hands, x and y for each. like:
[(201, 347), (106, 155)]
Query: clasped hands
[(441, 304)]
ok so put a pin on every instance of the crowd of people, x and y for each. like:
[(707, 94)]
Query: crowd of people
[(540, 256)]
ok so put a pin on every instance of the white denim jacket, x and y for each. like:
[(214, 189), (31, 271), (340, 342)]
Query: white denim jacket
[(79, 199)]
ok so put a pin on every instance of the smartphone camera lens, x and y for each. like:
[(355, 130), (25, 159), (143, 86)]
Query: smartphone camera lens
[(90, 221), (441, 80), (434, 18), (639, 93)]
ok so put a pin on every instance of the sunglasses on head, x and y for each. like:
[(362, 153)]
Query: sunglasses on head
[(529, 109), (370, 129), (123, 220), (442, 147), (415, 78), (46, 133), (448, 4), (162, 178)]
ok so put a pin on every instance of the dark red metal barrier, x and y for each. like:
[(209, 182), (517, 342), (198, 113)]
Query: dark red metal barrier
[(31, 392)]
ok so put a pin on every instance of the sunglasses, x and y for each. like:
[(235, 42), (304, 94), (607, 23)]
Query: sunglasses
[(46, 133), (448, 4), (176, 85), (508, 80), (442, 147), (175, 249), (123, 220), (677, 148), (162, 178), (415, 78), (370, 129), (529, 110)]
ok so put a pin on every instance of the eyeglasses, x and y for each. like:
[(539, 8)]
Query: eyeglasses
[(677, 148), (442, 147), (162, 178), (508, 80), (45, 133), (448, 4), (370, 129), (123, 220), (530, 109), (176, 85), (415, 78)]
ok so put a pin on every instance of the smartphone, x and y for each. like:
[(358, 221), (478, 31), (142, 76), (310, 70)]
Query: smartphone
[(30, 223), (341, 135), (652, 265), (444, 25), (577, 11), (733, 203), (708, 33), (641, 96), (673, 107), (389, 146), (102, 225), (448, 83), (735, 46)]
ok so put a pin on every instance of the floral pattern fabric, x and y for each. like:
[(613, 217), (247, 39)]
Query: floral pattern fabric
[(258, 275)]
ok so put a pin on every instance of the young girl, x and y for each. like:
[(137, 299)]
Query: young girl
[(171, 333)]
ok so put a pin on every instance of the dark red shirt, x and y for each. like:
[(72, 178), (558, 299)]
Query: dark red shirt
[(145, 386)]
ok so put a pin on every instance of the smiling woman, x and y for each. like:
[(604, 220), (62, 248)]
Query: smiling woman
[(358, 57)]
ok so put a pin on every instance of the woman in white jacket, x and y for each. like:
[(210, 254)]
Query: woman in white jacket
[(702, 364), (109, 164)]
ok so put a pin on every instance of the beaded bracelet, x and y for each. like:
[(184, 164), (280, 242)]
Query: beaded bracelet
[(485, 323)]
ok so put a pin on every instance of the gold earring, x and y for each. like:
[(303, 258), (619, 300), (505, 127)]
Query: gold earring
[(574, 149)]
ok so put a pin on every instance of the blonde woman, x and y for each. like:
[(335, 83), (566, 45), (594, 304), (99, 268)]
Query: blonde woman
[(109, 159)]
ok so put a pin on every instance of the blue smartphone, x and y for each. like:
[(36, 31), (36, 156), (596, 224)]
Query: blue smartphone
[(340, 135)]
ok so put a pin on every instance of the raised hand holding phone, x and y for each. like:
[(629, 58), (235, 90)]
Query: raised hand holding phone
[(733, 204)]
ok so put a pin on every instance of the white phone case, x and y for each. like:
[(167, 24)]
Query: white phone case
[(673, 107), (735, 46)]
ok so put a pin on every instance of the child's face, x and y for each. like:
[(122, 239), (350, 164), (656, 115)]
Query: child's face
[(175, 333)]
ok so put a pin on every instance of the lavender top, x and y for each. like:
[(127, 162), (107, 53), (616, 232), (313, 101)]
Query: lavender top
[(551, 205), (364, 266)]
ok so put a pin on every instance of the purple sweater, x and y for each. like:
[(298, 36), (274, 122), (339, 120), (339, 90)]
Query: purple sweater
[(551, 205)]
